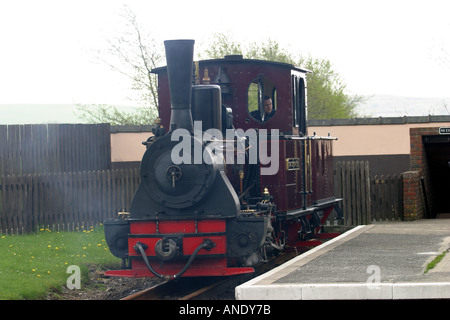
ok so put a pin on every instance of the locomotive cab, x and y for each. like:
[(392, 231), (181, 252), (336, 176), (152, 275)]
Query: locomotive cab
[(235, 178)]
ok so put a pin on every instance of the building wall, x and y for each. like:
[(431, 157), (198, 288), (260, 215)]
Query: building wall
[(384, 142), (126, 145), (381, 139)]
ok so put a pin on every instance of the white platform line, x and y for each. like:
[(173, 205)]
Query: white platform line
[(345, 291)]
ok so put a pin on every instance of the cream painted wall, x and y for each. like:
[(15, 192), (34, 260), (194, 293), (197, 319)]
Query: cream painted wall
[(353, 140), (127, 146), (384, 139)]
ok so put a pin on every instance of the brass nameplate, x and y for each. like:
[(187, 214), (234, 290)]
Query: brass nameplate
[(292, 164)]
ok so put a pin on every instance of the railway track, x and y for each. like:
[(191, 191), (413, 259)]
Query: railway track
[(181, 289), (204, 288)]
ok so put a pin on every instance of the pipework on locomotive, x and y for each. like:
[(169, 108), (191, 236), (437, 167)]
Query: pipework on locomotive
[(221, 190)]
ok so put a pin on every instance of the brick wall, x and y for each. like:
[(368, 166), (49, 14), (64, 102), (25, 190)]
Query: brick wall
[(412, 197), (418, 159), (418, 163)]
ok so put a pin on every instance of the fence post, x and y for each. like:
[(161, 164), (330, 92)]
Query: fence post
[(367, 185)]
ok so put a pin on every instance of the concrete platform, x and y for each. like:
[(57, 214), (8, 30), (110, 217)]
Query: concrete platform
[(378, 261)]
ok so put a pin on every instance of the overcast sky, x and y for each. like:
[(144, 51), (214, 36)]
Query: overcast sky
[(378, 47)]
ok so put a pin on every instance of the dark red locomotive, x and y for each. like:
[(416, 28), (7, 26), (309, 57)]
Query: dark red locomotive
[(226, 181)]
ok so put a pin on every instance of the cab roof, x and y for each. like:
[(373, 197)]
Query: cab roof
[(238, 59)]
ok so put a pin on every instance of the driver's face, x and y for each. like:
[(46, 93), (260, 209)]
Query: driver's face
[(268, 106)]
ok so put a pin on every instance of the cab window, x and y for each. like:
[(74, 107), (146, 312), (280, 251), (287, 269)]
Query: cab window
[(299, 103), (261, 99)]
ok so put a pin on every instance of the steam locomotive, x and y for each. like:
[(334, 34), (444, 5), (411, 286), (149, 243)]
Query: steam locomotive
[(230, 176)]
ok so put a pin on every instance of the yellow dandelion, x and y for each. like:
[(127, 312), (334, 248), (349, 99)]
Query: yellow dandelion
[(34, 270), (56, 248), (84, 256), (84, 248), (49, 246), (39, 275), (10, 245), (3, 237), (48, 271), (99, 244)]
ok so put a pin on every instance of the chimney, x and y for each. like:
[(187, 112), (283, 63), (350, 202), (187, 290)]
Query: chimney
[(179, 56)]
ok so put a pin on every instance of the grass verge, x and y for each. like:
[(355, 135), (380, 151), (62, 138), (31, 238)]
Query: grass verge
[(435, 261), (32, 265)]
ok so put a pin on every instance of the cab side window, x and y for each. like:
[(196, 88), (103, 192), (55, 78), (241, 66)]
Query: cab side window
[(299, 103), (261, 99)]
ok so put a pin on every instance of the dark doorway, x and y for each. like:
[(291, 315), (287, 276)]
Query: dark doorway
[(437, 149)]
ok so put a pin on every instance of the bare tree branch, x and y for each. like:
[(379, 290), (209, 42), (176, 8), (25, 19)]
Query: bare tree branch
[(133, 53)]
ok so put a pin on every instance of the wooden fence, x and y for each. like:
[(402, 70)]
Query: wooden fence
[(352, 184), (64, 201), (42, 148), (386, 197), (365, 199)]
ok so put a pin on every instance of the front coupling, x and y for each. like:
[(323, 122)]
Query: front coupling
[(166, 249)]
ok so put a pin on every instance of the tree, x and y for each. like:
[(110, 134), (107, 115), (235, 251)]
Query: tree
[(221, 45), (327, 97), (102, 113), (326, 92), (134, 53), (269, 50)]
